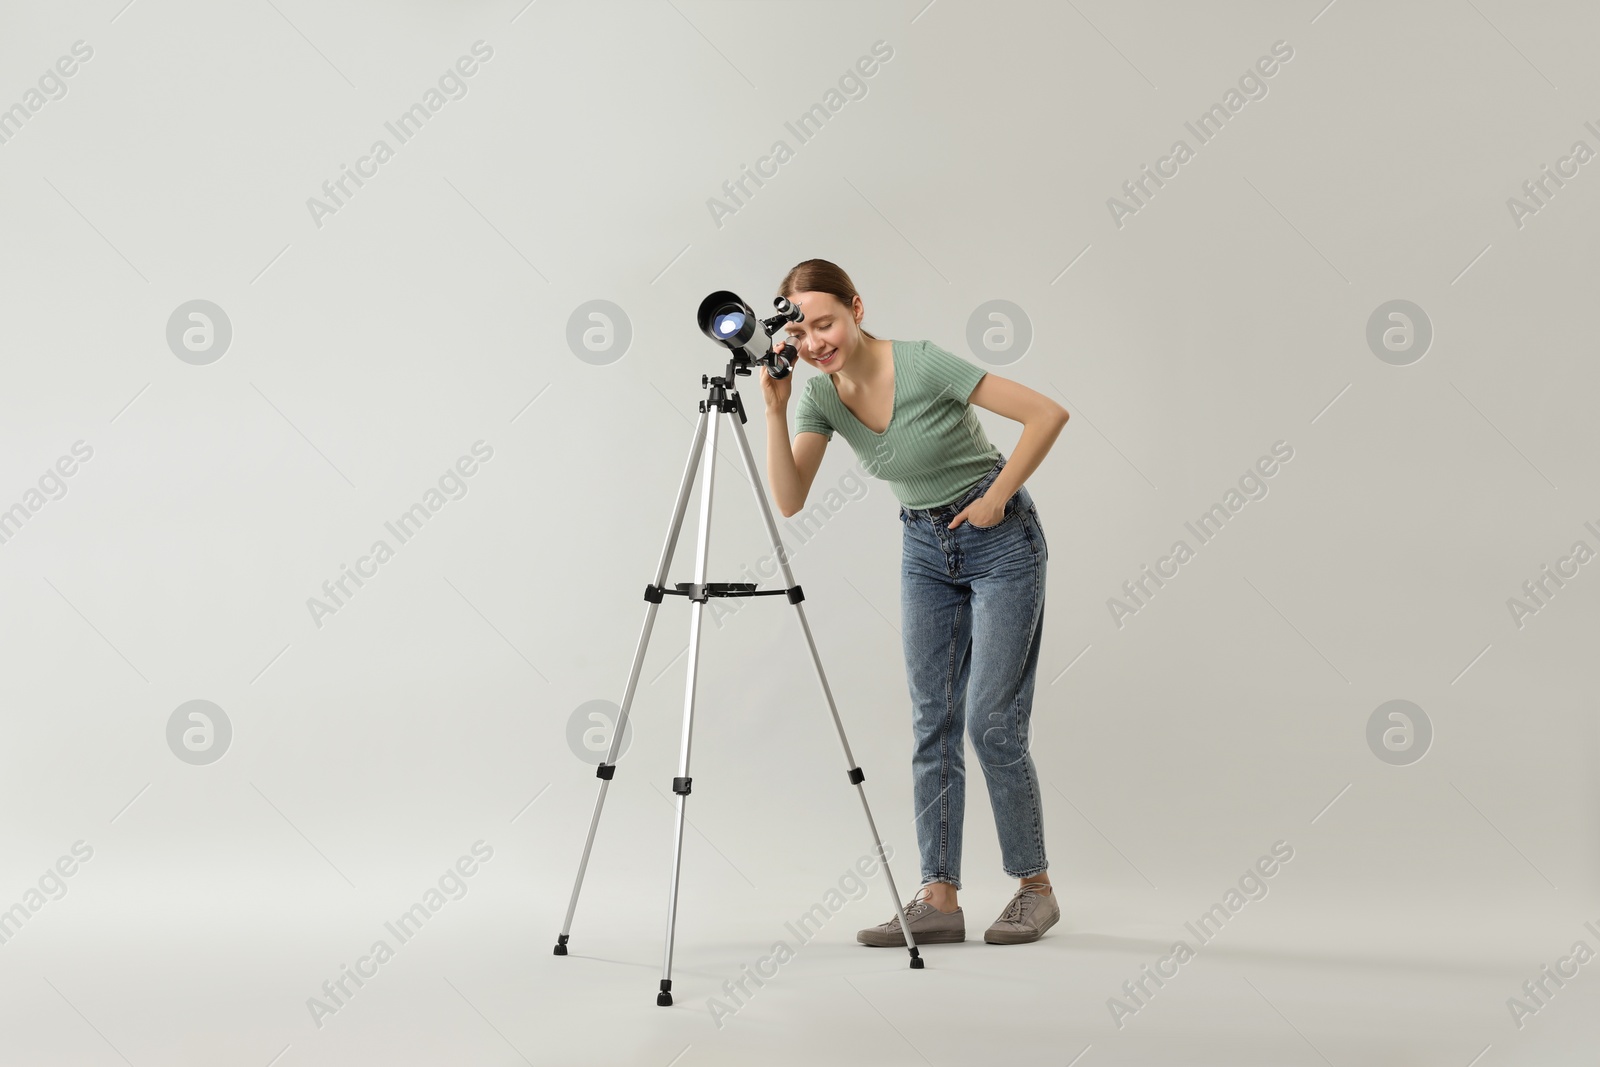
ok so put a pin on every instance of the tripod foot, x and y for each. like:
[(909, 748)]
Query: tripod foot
[(916, 961), (561, 945), (664, 998)]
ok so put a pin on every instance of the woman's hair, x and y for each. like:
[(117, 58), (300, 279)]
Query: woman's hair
[(820, 276)]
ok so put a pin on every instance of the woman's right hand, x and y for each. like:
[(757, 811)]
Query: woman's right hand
[(776, 390)]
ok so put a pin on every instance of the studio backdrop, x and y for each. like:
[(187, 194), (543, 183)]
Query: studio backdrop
[(349, 368)]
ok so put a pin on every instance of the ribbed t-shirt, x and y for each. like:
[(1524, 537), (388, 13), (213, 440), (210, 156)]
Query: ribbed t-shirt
[(934, 448)]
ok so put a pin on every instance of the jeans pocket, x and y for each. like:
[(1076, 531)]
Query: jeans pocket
[(1005, 516)]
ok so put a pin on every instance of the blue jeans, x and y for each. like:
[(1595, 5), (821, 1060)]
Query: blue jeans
[(972, 606)]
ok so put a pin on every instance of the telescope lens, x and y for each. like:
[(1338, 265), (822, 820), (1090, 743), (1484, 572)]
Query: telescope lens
[(728, 324)]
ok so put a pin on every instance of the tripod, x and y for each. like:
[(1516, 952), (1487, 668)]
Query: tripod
[(723, 399)]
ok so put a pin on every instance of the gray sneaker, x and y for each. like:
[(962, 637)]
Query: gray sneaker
[(1026, 917), (929, 926)]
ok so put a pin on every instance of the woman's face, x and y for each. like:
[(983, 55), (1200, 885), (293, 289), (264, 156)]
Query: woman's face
[(829, 335)]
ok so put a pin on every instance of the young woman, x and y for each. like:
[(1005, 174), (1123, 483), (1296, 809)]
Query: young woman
[(972, 576)]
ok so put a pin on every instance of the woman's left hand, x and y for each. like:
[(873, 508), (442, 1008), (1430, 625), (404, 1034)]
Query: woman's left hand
[(981, 512)]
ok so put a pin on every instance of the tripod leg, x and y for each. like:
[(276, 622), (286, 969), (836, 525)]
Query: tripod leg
[(856, 774), (680, 784), (608, 768)]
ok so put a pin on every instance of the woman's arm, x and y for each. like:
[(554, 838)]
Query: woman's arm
[(789, 471), (1042, 421)]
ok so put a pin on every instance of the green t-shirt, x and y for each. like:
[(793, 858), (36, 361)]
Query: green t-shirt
[(934, 448)]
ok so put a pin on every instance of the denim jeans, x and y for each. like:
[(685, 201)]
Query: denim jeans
[(972, 607)]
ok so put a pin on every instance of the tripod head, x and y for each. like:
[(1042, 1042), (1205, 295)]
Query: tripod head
[(729, 321)]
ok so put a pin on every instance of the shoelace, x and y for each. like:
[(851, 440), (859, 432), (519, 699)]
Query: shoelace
[(918, 905), (1025, 898)]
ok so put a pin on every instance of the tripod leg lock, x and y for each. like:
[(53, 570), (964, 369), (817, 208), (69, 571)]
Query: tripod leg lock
[(652, 593), (606, 771), (681, 786), (857, 775), (795, 595)]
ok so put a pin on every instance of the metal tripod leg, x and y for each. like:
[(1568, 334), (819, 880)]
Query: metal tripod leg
[(608, 768), (680, 784), (856, 775)]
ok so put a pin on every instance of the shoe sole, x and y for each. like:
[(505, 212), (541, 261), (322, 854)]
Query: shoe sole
[(942, 937), (1013, 939)]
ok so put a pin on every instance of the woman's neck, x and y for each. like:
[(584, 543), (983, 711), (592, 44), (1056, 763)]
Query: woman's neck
[(865, 365)]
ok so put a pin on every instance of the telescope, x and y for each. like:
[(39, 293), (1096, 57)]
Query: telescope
[(726, 319)]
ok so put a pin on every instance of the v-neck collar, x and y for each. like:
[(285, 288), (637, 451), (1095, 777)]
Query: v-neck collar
[(894, 402)]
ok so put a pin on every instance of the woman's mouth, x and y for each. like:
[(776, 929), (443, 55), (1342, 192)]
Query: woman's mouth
[(825, 360)]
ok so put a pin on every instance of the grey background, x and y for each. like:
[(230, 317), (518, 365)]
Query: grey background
[(432, 710)]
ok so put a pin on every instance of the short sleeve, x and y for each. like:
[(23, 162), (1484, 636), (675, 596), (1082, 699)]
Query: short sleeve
[(947, 373), (808, 417)]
